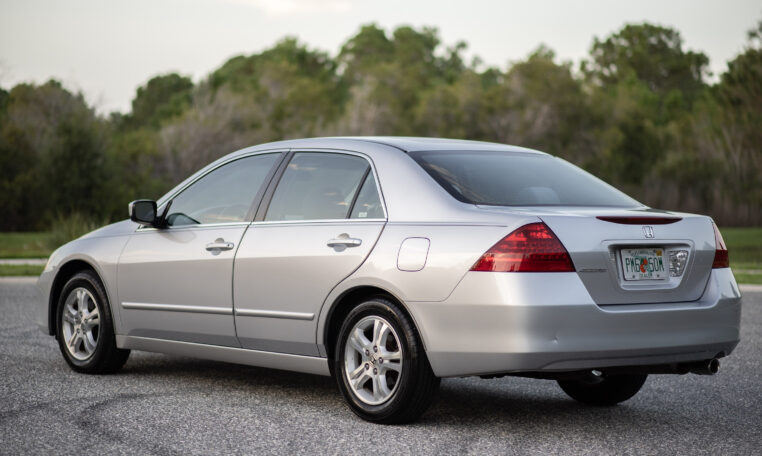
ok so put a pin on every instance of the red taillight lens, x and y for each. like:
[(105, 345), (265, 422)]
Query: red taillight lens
[(721, 259), (531, 248)]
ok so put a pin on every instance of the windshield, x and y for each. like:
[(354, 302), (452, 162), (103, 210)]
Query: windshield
[(518, 179)]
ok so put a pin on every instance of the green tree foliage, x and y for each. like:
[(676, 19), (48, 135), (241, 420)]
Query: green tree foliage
[(388, 76), (51, 149), (295, 91), (160, 99), (643, 86), (639, 112), (75, 164), (651, 54)]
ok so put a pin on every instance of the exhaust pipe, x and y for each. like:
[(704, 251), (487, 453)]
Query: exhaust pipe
[(708, 367)]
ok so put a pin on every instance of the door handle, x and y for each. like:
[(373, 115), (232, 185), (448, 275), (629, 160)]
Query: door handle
[(344, 240), (218, 245)]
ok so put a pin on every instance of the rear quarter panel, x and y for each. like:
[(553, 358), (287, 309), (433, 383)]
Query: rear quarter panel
[(452, 252)]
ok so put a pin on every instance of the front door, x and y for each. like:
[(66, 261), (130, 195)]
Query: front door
[(322, 222), (176, 283)]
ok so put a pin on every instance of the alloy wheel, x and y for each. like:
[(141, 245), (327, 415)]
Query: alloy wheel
[(373, 360), (80, 324)]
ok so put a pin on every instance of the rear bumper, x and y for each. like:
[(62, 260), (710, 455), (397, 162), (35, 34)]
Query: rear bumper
[(528, 322)]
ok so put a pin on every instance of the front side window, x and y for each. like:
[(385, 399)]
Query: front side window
[(224, 195), (518, 179), (318, 186)]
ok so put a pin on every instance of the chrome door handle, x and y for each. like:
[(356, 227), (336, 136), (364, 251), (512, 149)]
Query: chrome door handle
[(344, 240), (218, 245)]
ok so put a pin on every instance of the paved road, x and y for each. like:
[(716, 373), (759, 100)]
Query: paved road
[(167, 405)]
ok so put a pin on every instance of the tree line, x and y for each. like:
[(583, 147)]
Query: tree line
[(639, 111)]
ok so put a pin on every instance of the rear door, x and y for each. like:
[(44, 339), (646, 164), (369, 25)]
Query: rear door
[(321, 222)]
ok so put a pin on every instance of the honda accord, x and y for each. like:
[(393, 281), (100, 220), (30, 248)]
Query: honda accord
[(390, 263)]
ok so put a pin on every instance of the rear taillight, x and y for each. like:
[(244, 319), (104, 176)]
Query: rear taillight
[(531, 248), (721, 259)]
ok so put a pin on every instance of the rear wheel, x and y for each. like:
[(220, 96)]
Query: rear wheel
[(609, 390), (380, 366), (85, 330)]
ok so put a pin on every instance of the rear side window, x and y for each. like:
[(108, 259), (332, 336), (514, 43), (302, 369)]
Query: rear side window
[(318, 186), (518, 179), (368, 203)]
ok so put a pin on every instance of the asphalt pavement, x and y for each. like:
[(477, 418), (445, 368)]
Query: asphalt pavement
[(169, 405)]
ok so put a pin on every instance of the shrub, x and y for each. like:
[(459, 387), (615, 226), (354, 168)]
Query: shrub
[(65, 228)]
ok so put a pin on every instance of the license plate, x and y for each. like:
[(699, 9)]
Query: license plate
[(644, 264)]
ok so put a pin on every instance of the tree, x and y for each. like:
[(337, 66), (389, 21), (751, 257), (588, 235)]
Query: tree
[(739, 129), (295, 90), (653, 55), (642, 85), (51, 150), (387, 77), (363, 52), (75, 166), (538, 103), (160, 99)]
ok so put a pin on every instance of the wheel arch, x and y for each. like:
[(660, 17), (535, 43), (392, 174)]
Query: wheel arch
[(346, 301), (65, 272)]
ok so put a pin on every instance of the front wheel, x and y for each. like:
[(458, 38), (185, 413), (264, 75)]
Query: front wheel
[(380, 366), (609, 390), (85, 330)]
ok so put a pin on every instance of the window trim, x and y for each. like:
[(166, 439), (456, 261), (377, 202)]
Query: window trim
[(265, 205), (258, 197), (363, 179)]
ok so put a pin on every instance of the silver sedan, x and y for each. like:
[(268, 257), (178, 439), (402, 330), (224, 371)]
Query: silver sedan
[(390, 263)]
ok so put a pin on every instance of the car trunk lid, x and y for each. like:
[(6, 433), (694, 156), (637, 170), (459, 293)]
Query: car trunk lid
[(635, 256), (607, 244)]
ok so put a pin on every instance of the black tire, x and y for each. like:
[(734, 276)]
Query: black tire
[(610, 390), (106, 358), (416, 384)]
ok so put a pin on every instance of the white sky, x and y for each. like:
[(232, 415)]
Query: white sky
[(107, 48)]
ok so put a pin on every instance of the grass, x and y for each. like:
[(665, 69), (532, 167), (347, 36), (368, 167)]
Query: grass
[(745, 248), (20, 270), (748, 279), (745, 245), (25, 245)]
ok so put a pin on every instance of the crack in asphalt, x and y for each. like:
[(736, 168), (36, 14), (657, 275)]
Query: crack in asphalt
[(91, 419)]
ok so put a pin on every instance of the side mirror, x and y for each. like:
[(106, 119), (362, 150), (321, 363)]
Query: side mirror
[(143, 212)]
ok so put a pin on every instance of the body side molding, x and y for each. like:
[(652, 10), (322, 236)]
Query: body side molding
[(177, 308), (275, 314)]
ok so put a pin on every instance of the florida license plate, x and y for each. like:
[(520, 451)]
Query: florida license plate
[(644, 264)]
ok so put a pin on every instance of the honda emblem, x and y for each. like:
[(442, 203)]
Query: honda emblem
[(648, 231)]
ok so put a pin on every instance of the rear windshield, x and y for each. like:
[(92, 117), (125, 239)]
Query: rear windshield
[(518, 179)]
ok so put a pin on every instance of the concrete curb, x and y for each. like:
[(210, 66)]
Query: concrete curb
[(19, 280), (24, 261)]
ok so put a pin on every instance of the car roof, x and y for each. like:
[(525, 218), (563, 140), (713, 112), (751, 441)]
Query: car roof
[(403, 143)]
